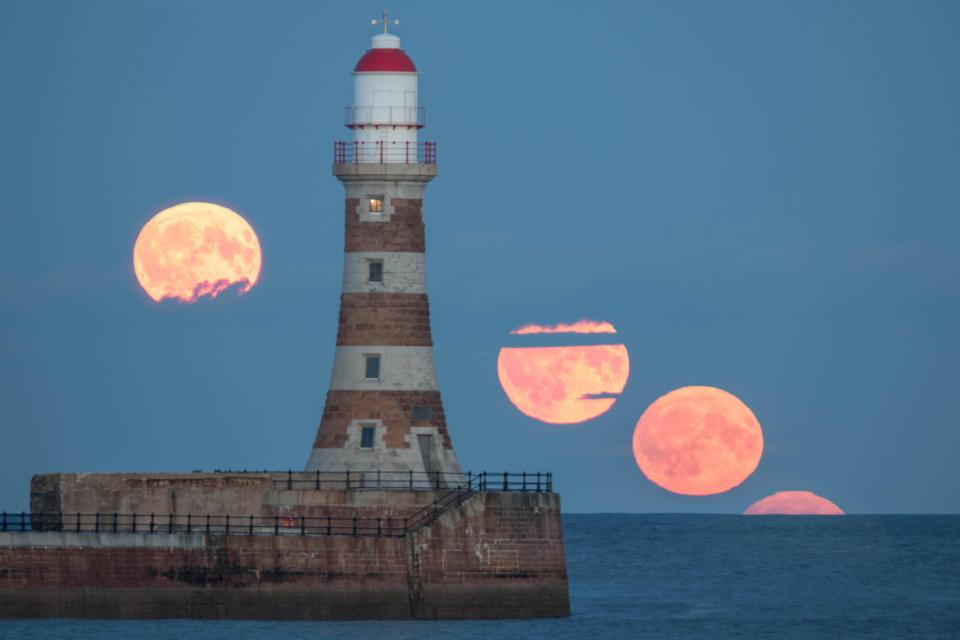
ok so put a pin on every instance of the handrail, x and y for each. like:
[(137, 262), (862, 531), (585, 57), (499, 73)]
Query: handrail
[(370, 480), (384, 152), (205, 524), (528, 482), (276, 525)]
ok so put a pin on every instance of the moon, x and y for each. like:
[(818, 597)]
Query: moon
[(698, 441), (196, 249), (561, 385), (794, 503)]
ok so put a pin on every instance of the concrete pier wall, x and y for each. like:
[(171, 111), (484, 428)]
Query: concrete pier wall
[(495, 555), (236, 494)]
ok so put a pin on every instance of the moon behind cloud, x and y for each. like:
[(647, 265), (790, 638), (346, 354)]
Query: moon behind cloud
[(196, 249), (563, 385)]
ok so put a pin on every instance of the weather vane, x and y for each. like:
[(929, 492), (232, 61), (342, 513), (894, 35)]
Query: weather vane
[(384, 21)]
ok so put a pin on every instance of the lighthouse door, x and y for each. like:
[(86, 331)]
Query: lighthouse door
[(425, 440)]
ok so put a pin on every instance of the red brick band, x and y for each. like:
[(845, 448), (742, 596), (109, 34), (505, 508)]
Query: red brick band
[(394, 408), (387, 319), (403, 231)]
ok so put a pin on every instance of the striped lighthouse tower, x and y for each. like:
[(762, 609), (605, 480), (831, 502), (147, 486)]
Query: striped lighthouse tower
[(383, 409)]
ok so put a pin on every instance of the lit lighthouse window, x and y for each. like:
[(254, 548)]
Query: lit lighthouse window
[(376, 204)]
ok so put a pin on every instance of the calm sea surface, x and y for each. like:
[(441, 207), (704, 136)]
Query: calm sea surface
[(680, 576)]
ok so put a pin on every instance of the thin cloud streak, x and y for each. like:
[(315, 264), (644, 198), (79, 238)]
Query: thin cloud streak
[(580, 326)]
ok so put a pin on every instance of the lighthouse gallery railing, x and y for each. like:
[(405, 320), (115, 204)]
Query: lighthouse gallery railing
[(384, 152)]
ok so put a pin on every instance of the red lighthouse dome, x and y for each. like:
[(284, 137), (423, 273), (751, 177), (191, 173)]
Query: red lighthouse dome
[(385, 56)]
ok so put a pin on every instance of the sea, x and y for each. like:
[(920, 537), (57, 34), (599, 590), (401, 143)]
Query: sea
[(676, 576)]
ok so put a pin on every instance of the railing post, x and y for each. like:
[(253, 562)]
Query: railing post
[(356, 156), (170, 523), (303, 525), (289, 479), (23, 521), (378, 478), (208, 524), (151, 523), (379, 527), (354, 524), (189, 523), (329, 526), (226, 526), (436, 512), (96, 522), (318, 479), (133, 523), (436, 483), (538, 482), (505, 486), (523, 484), (251, 525), (381, 151), (549, 482), (408, 151), (469, 479), (276, 525), (348, 479), (114, 521), (411, 479)]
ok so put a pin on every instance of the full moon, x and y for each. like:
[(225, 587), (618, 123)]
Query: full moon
[(564, 385), (794, 503), (196, 249), (697, 441)]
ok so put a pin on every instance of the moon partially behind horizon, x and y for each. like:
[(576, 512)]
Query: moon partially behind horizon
[(698, 441), (196, 249), (794, 503)]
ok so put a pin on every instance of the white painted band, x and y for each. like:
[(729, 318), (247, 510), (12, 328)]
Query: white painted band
[(403, 272), (401, 369), (379, 458)]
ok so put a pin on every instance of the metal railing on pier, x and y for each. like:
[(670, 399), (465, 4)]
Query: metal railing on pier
[(277, 524), (207, 524), (401, 480)]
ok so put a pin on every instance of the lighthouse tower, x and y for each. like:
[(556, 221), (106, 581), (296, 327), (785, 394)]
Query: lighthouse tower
[(383, 409)]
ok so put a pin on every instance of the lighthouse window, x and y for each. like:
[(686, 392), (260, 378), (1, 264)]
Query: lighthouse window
[(366, 437), (376, 204), (373, 367), (421, 412), (376, 271)]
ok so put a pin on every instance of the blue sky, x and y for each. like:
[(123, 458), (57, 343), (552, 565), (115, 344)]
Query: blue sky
[(760, 196)]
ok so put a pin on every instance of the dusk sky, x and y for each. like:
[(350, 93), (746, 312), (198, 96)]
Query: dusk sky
[(760, 196)]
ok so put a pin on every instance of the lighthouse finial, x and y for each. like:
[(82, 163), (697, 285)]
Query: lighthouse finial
[(384, 21)]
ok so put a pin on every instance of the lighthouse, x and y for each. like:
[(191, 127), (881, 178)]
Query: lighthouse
[(383, 413)]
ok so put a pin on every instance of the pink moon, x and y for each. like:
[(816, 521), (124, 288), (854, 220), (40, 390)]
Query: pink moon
[(793, 503)]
